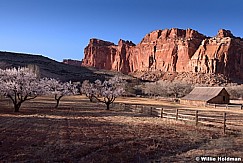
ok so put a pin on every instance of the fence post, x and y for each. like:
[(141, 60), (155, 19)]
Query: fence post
[(161, 112), (151, 110), (177, 114), (224, 127), (226, 106), (196, 117)]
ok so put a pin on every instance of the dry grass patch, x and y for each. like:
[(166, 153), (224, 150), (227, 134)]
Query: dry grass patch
[(80, 131)]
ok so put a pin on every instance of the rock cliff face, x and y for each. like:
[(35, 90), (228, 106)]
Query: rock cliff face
[(222, 54), (106, 55), (170, 50)]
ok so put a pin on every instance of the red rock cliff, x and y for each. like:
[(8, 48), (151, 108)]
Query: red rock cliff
[(173, 50), (221, 54), (106, 55)]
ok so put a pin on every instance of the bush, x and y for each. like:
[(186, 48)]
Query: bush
[(167, 89), (236, 92)]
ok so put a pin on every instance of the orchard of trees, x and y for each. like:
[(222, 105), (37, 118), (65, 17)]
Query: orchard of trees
[(21, 84)]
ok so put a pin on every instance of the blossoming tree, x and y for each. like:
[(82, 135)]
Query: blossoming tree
[(107, 91), (58, 89), (86, 88), (19, 85)]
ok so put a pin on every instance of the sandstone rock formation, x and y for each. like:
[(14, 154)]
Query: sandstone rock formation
[(106, 55), (222, 54), (170, 50)]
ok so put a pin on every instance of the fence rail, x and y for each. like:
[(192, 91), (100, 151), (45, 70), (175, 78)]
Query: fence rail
[(227, 106), (224, 120)]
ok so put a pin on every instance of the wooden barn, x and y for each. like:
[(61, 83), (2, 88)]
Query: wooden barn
[(200, 96)]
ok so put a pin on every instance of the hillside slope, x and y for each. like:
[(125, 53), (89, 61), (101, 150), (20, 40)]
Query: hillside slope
[(51, 68)]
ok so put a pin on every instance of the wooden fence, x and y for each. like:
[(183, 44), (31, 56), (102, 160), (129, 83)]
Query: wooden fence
[(224, 120), (226, 106)]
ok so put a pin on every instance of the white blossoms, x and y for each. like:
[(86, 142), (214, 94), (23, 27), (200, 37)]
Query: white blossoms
[(21, 84), (106, 91)]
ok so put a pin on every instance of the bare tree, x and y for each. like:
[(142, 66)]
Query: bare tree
[(179, 89), (155, 89), (236, 92), (174, 89)]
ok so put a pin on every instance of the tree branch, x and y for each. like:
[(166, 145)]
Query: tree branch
[(30, 98), (113, 99), (19, 97), (98, 99), (106, 99), (59, 97), (55, 96), (12, 99), (15, 97)]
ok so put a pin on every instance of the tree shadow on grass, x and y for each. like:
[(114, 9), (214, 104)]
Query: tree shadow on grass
[(30, 138)]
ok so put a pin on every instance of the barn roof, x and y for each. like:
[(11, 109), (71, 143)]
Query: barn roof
[(203, 93)]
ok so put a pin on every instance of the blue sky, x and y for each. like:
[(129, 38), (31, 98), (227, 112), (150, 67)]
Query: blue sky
[(61, 29)]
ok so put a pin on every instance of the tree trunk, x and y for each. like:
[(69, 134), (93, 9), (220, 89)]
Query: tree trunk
[(107, 106), (57, 104), (58, 101), (17, 107), (91, 98)]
